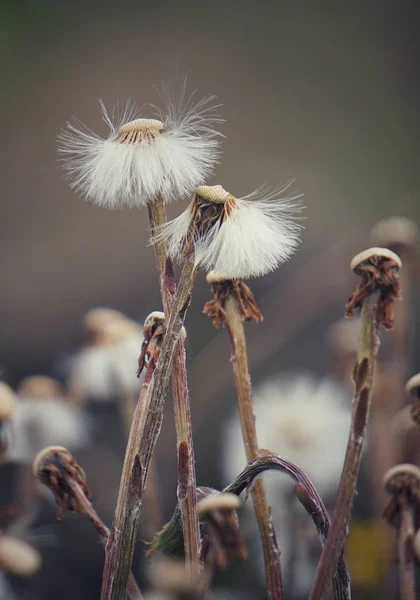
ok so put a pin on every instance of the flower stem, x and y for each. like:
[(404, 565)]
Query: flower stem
[(102, 530), (363, 378), (234, 325), (145, 429), (310, 500), (406, 551), (187, 486)]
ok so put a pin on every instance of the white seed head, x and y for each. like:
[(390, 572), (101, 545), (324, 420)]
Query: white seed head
[(413, 385), (395, 231), (297, 418), (213, 193), (143, 158), (367, 255), (7, 401), (40, 422), (257, 234), (397, 477), (40, 386), (219, 501), (18, 557)]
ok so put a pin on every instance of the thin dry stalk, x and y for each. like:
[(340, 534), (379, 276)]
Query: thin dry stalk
[(232, 304), (187, 486), (368, 345), (144, 433), (152, 498), (406, 562), (378, 288)]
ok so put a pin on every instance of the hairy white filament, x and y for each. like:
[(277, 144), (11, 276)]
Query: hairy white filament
[(171, 161)]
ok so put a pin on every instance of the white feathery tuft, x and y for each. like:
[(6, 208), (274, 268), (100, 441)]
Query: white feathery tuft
[(103, 372), (260, 233), (40, 422), (113, 175), (303, 420), (306, 421)]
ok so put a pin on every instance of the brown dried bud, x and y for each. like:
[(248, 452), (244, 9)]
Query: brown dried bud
[(222, 539), (379, 270), (395, 232), (219, 501), (97, 318), (153, 330), (402, 482), (40, 386), (7, 401), (223, 289), (413, 389), (416, 545), (56, 468), (403, 478), (412, 386), (18, 557)]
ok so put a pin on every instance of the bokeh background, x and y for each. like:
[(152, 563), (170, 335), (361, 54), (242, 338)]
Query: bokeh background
[(323, 93)]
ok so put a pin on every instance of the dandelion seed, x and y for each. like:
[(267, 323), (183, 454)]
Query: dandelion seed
[(237, 237), (143, 158), (40, 421)]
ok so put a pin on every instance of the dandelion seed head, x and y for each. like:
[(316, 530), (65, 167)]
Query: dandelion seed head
[(237, 237), (142, 158)]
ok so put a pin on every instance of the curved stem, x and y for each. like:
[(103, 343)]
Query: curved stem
[(309, 498)]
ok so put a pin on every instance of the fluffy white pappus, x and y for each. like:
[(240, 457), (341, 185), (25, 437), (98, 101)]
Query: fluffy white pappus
[(306, 421), (303, 420), (170, 163), (104, 372), (260, 233), (41, 422)]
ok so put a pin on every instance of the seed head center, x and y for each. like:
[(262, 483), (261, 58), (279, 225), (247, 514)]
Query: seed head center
[(139, 130)]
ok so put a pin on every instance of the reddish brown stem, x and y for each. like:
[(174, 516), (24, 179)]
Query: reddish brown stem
[(406, 551), (239, 358), (363, 379), (187, 487), (145, 429)]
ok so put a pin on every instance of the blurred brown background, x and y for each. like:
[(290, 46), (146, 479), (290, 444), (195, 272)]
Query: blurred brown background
[(326, 93)]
